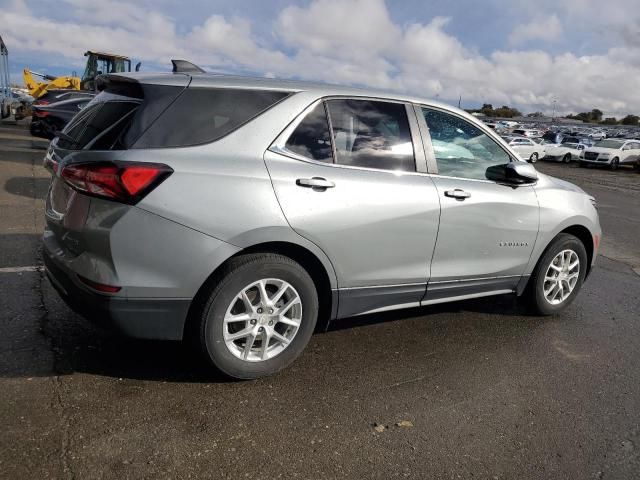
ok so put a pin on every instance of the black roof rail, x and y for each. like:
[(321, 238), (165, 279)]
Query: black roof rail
[(183, 66)]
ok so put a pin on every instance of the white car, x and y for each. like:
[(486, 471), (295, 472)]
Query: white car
[(526, 148), (527, 132), (564, 152), (611, 152)]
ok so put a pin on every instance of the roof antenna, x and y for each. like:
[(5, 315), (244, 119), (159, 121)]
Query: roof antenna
[(183, 66)]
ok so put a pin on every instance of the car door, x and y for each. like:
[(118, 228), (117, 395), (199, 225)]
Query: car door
[(523, 147), (350, 186), (633, 152), (487, 230)]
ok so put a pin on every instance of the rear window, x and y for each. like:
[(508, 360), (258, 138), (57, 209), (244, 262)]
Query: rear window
[(204, 115), (159, 116)]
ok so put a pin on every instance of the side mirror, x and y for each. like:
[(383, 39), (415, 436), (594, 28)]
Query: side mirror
[(513, 173)]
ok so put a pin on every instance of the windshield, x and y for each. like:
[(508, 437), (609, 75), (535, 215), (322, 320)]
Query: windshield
[(609, 144)]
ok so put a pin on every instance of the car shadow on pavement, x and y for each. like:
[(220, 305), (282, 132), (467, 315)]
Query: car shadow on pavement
[(30, 187), (81, 347)]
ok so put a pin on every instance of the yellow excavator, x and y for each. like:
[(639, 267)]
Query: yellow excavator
[(97, 64)]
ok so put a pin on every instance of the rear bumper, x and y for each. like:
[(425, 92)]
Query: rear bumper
[(156, 318)]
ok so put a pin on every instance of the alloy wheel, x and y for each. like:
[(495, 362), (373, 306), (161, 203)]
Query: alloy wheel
[(561, 277), (262, 320)]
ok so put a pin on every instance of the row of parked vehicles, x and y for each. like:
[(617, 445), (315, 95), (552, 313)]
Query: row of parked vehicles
[(533, 145)]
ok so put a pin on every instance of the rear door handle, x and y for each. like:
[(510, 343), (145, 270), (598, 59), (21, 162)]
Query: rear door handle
[(315, 182), (457, 193)]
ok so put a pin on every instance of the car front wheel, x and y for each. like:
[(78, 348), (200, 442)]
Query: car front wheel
[(533, 158), (615, 163), (567, 158), (259, 316), (558, 276)]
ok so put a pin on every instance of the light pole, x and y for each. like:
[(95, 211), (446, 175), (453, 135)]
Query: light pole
[(553, 115)]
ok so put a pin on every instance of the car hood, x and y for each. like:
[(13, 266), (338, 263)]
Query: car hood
[(548, 181), (602, 150)]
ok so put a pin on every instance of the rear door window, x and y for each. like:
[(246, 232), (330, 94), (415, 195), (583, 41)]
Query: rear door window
[(311, 138), (371, 134)]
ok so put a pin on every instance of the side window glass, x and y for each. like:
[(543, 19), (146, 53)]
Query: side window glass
[(311, 138), (372, 134), (462, 149)]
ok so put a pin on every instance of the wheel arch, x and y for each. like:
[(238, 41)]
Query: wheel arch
[(322, 278), (582, 233)]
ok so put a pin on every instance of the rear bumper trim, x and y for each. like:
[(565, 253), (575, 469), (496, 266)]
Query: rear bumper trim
[(149, 318)]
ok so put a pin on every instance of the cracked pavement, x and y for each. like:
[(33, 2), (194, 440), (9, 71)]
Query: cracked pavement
[(475, 389)]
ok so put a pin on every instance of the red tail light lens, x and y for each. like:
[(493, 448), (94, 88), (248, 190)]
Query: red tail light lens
[(41, 113), (100, 287), (122, 182)]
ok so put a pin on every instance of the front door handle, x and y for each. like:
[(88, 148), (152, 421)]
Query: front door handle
[(457, 193), (315, 183)]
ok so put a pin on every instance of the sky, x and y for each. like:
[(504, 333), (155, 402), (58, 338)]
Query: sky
[(567, 55)]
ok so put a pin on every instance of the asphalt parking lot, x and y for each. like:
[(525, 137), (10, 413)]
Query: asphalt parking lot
[(476, 389)]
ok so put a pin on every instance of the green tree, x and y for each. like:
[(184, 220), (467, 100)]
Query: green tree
[(609, 121), (596, 115), (630, 120)]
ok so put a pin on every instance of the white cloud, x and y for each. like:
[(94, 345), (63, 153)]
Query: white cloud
[(547, 28), (322, 41)]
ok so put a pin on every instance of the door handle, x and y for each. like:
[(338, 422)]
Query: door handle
[(315, 183), (457, 193)]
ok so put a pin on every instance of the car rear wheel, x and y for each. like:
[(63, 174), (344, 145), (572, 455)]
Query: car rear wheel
[(259, 316), (615, 163), (567, 158), (558, 276), (533, 158)]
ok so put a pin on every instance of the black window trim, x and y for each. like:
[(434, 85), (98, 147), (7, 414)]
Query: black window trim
[(279, 144)]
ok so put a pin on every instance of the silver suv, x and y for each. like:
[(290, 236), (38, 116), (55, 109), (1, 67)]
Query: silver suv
[(240, 212)]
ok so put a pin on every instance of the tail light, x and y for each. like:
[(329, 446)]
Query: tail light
[(100, 287), (40, 113), (41, 102), (122, 182)]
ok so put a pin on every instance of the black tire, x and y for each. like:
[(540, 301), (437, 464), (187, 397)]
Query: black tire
[(533, 158), (567, 158), (615, 163), (239, 273), (534, 294)]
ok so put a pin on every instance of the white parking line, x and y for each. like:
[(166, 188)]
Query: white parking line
[(21, 269)]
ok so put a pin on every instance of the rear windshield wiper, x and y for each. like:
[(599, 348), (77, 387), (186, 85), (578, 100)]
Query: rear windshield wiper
[(66, 137)]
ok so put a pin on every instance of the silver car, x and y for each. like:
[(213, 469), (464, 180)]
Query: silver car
[(241, 212)]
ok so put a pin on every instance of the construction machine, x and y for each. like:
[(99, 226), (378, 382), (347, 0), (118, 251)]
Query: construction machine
[(97, 64)]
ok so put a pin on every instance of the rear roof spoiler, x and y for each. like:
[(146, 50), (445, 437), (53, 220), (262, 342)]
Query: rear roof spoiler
[(183, 66)]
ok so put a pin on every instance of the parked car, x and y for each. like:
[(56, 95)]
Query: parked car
[(581, 139), (239, 212), (527, 132), (553, 137), (612, 153), (564, 152), (47, 119), (527, 149)]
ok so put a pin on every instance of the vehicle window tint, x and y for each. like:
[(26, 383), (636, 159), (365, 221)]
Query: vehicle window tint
[(204, 115), (93, 122), (462, 149), (371, 134), (311, 138)]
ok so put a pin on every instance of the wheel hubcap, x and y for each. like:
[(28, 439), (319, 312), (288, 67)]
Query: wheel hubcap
[(262, 320), (561, 277)]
